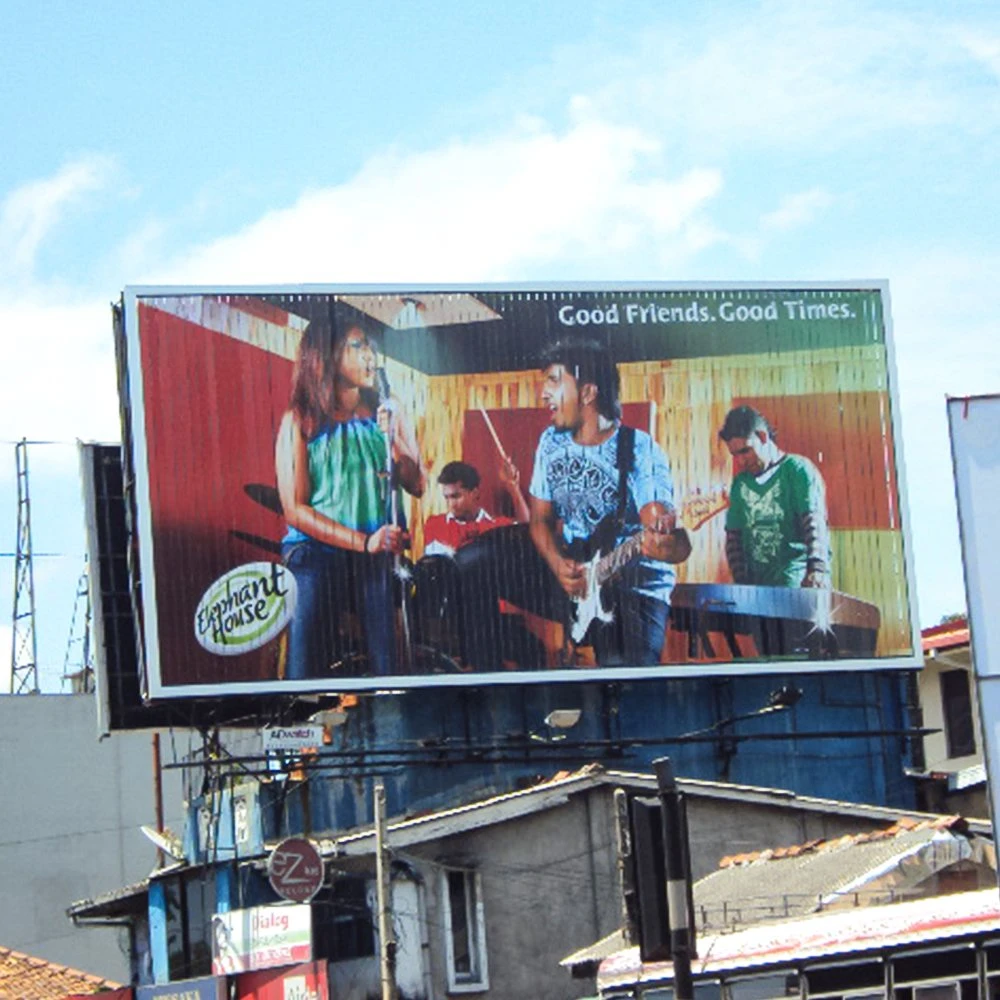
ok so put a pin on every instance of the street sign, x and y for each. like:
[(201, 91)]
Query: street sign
[(295, 869), (307, 736)]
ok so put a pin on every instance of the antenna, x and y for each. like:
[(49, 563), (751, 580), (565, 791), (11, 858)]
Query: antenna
[(78, 668), (24, 647)]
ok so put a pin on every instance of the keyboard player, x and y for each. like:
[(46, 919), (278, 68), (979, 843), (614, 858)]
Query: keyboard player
[(777, 530)]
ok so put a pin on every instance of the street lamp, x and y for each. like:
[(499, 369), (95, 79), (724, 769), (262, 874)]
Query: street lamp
[(780, 700)]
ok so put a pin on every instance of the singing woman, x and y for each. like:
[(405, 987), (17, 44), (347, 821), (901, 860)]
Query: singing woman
[(335, 483)]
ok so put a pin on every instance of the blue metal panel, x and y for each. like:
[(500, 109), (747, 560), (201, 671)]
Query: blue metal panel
[(157, 902), (856, 768)]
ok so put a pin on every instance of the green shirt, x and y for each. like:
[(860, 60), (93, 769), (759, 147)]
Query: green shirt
[(347, 462), (768, 516)]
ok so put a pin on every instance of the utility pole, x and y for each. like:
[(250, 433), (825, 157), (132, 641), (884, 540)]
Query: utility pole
[(24, 647), (387, 941)]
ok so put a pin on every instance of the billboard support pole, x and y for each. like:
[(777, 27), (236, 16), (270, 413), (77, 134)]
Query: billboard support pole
[(387, 943), (675, 851)]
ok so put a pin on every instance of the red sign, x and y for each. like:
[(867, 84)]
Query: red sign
[(295, 869), (303, 982)]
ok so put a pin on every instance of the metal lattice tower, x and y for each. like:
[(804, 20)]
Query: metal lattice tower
[(78, 667), (24, 647)]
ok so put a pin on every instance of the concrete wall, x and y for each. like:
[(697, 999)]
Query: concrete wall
[(929, 682), (550, 882), (70, 811), (549, 886)]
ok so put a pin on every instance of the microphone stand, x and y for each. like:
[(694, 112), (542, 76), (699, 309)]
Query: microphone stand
[(399, 571)]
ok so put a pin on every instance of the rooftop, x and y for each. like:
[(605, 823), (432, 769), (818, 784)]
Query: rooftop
[(804, 940), (948, 635), (23, 977), (906, 859)]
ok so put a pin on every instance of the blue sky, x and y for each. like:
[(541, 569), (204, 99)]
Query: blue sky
[(319, 142)]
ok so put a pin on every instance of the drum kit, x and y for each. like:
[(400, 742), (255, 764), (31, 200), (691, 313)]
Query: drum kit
[(428, 595)]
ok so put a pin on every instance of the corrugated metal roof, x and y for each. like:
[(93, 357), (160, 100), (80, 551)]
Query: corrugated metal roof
[(867, 868), (808, 939), (947, 635), (23, 977)]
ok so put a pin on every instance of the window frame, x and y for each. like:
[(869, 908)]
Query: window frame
[(957, 713), (478, 980)]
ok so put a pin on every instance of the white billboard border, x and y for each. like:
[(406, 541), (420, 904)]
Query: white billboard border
[(137, 418), (987, 684)]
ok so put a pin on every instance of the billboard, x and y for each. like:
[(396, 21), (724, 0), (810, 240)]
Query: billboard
[(974, 425), (358, 488)]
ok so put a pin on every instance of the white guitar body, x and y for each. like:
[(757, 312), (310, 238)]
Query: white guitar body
[(589, 607)]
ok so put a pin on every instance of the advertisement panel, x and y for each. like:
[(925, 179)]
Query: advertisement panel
[(261, 937), (203, 988), (359, 488), (974, 424), (308, 981)]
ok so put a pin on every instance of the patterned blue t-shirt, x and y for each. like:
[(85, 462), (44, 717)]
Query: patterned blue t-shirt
[(581, 483)]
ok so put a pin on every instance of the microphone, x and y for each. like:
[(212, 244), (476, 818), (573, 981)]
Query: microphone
[(382, 386)]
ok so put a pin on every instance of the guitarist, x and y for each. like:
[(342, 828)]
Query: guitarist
[(596, 481)]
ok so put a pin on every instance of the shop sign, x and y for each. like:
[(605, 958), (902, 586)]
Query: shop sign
[(307, 736), (308, 981), (203, 988), (295, 869), (261, 937)]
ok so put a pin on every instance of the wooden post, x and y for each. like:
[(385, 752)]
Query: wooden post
[(387, 942), (158, 795)]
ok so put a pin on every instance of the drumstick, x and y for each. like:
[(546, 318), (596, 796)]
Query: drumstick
[(493, 433)]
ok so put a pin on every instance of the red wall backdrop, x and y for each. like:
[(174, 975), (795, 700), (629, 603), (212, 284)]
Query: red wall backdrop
[(845, 435), (213, 405), (519, 431)]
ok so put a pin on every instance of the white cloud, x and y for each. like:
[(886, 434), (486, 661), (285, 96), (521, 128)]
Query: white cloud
[(985, 50), (30, 212), (801, 77), (57, 378), (490, 208), (796, 210)]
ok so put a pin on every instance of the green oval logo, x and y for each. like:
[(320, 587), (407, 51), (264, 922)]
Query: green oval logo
[(245, 608)]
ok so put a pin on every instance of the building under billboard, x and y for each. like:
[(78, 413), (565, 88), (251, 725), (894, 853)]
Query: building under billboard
[(455, 486)]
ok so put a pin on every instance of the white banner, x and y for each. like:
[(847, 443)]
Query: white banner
[(262, 937)]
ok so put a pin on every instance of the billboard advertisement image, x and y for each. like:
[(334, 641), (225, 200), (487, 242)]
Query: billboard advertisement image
[(357, 488)]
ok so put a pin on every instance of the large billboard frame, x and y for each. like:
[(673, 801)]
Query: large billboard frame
[(972, 429), (136, 421)]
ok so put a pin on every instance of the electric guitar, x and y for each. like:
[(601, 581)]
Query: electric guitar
[(602, 560), (598, 570)]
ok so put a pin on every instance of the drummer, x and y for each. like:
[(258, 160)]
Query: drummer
[(466, 518)]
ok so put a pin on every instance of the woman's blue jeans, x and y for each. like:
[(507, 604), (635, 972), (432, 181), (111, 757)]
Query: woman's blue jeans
[(331, 580)]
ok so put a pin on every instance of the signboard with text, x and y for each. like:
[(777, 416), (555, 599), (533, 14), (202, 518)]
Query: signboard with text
[(374, 487), (203, 988), (309, 981), (295, 869), (261, 937)]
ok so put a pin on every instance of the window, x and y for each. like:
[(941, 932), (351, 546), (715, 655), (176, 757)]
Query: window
[(939, 991), (464, 932), (342, 921), (956, 705), (190, 903), (764, 987)]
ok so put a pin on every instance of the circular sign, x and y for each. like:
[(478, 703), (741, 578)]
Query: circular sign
[(245, 608), (295, 869)]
